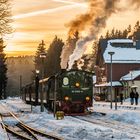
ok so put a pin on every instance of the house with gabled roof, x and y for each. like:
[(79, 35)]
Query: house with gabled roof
[(131, 79), (126, 59)]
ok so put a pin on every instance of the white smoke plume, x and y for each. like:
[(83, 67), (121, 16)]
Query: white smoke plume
[(99, 13), (66, 52)]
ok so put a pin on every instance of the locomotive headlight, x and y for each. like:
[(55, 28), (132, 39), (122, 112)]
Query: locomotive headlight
[(77, 84), (87, 98), (66, 98)]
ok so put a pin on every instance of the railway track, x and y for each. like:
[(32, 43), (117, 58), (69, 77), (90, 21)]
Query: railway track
[(31, 133), (116, 125)]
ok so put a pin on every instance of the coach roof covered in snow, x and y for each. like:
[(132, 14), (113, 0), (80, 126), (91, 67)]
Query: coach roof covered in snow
[(122, 54)]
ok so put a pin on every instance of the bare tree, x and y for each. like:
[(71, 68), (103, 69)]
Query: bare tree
[(5, 17)]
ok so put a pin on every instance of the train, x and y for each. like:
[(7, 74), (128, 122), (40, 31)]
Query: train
[(70, 91)]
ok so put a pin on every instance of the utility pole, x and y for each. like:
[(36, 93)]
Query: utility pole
[(20, 86), (36, 87), (42, 56), (55, 92), (111, 53)]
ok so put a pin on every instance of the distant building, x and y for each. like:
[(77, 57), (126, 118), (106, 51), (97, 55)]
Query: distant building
[(126, 58), (132, 79)]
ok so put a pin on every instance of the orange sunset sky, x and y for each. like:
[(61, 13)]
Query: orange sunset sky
[(35, 20)]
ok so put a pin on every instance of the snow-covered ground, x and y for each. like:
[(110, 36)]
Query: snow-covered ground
[(120, 124)]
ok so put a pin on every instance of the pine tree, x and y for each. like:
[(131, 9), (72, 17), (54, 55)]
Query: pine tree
[(107, 36), (116, 33), (94, 56), (101, 37), (38, 60), (136, 33), (53, 57), (125, 33), (119, 34), (137, 25), (113, 33), (129, 29), (3, 71)]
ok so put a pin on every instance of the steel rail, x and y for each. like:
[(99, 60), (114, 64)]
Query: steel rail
[(16, 133), (110, 124), (23, 127), (3, 126), (31, 130), (30, 133), (7, 129), (48, 135)]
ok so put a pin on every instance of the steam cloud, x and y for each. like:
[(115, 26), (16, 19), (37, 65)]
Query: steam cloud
[(95, 19)]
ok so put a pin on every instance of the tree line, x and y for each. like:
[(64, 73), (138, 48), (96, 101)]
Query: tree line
[(129, 32)]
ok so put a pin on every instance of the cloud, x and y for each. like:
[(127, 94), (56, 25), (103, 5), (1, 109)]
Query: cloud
[(46, 11), (69, 2), (40, 22), (22, 6)]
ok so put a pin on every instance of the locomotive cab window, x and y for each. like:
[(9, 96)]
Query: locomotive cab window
[(88, 81)]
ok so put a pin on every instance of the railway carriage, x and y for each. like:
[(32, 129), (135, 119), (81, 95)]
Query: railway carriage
[(69, 91)]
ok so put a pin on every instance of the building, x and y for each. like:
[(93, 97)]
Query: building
[(126, 59), (132, 79)]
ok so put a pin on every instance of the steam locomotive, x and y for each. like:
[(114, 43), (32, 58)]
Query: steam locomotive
[(69, 91)]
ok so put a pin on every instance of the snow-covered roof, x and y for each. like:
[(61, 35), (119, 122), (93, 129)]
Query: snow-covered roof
[(131, 75), (122, 54), (120, 41), (114, 84)]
